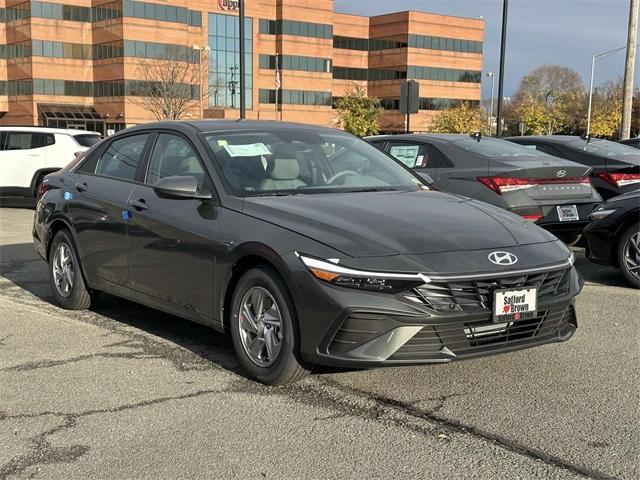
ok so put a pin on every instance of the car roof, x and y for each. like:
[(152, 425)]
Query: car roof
[(227, 124), (62, 131), (547, 138), (442, 137)]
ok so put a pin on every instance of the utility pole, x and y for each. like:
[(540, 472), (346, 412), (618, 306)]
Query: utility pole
[(627, 100), (241, 17), (503, 46), (493, 88)]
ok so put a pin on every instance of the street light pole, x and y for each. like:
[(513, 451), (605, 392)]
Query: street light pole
[(594, 59), (493, 85), (503, 46)]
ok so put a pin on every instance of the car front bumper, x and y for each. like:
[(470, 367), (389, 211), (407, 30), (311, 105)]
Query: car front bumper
[(343, 327)]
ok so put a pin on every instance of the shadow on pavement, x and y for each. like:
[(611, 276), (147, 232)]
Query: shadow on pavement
[(21, 265)]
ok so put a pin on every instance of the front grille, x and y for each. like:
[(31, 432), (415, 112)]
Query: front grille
[(473, 336), (477, 295)]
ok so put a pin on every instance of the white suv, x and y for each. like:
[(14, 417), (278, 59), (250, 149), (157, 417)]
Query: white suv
[(27, 154)]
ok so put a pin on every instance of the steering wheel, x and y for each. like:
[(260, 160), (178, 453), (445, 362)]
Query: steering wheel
[(341, 174)]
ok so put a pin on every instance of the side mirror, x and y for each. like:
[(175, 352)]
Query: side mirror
[(180, 187), (428, 180)]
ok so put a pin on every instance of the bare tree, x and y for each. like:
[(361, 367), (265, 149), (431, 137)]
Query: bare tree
[(168, 86)]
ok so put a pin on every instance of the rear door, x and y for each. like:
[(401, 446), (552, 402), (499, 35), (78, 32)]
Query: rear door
[(98, 207), (171, 253), (22, 154), (415, 155)]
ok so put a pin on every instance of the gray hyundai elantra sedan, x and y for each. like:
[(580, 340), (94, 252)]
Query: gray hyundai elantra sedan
[(307, 245)]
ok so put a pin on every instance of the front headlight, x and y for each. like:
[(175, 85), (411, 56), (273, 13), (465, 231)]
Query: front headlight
[(599, 214), (362, 280)]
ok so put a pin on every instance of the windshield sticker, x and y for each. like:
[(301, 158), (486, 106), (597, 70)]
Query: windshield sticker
[(222, 143), (406, 154), (251, 150)]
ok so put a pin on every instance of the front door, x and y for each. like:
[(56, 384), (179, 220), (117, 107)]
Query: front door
[(98, 207), (171, 254)]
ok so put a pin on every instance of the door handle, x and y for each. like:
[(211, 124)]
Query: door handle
[(140, 204), (81, 187)]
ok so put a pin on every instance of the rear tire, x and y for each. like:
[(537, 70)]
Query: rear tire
[(629, 255), (262, 328), (65, 274)]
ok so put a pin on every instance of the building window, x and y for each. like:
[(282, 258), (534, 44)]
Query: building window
[(107, 11), (367, 45), (58, 11), (440, 43), (224, 61), (294, 62), (296, 97), (365, 74), (437, 104), (444, 74), (164, 13), (294, 27)]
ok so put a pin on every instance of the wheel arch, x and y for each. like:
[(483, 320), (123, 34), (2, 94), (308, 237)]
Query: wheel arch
[(245, 258), (630, 219)]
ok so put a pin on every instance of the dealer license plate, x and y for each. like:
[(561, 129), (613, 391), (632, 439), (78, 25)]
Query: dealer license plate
[(514, 305), (568, 213)]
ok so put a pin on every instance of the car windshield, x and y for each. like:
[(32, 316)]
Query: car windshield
[(87, 140), (304, 161), (492, 147), (604, 148)]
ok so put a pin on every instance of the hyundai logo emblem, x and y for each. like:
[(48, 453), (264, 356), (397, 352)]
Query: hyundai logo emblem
[(561, 173), (502, 258)]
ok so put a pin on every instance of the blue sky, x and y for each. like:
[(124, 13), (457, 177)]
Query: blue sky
[(563, 32)]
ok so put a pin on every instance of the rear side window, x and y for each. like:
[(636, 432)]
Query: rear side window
[(548, 149), (122, 157), (25, 140), (86, 140)]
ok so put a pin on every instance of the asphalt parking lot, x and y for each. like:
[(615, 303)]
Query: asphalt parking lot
[(123, 391)]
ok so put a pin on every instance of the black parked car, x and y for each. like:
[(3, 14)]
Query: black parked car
[(631, 142), (613, 237), (308, 245), (554, 193), (616, 167)]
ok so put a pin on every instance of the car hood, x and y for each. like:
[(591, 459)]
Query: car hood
[(624, 197), (368, 224)]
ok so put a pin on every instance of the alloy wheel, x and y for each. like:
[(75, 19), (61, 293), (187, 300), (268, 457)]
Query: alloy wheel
[(63, 270), (261, 331), (632, 255)]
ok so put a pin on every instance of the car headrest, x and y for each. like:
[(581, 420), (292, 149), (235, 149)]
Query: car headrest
[(284, 168)]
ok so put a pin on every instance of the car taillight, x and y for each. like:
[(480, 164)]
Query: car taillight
[(533, 218), (42, 189), (620, 179), (502, 185)]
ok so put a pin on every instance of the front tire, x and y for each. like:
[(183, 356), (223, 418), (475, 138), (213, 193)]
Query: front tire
[(263, 330), (629, 255), (65, 275)]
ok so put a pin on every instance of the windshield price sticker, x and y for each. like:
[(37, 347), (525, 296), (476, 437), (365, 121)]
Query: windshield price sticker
[(250, 150), (515, 305)]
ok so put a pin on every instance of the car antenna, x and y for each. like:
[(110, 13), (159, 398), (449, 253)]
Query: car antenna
[(477, 136), (586, 138)]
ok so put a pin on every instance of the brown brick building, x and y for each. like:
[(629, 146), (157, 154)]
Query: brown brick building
[(77, 63)]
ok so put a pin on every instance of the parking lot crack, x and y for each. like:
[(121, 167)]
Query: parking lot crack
[(43, 453), (457, 427)]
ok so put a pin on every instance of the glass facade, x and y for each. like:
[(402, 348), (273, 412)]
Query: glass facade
[(111, 88), (224, 61), (296, 97), (444, 74), (294, 27), (296, 62), (58, 11)]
